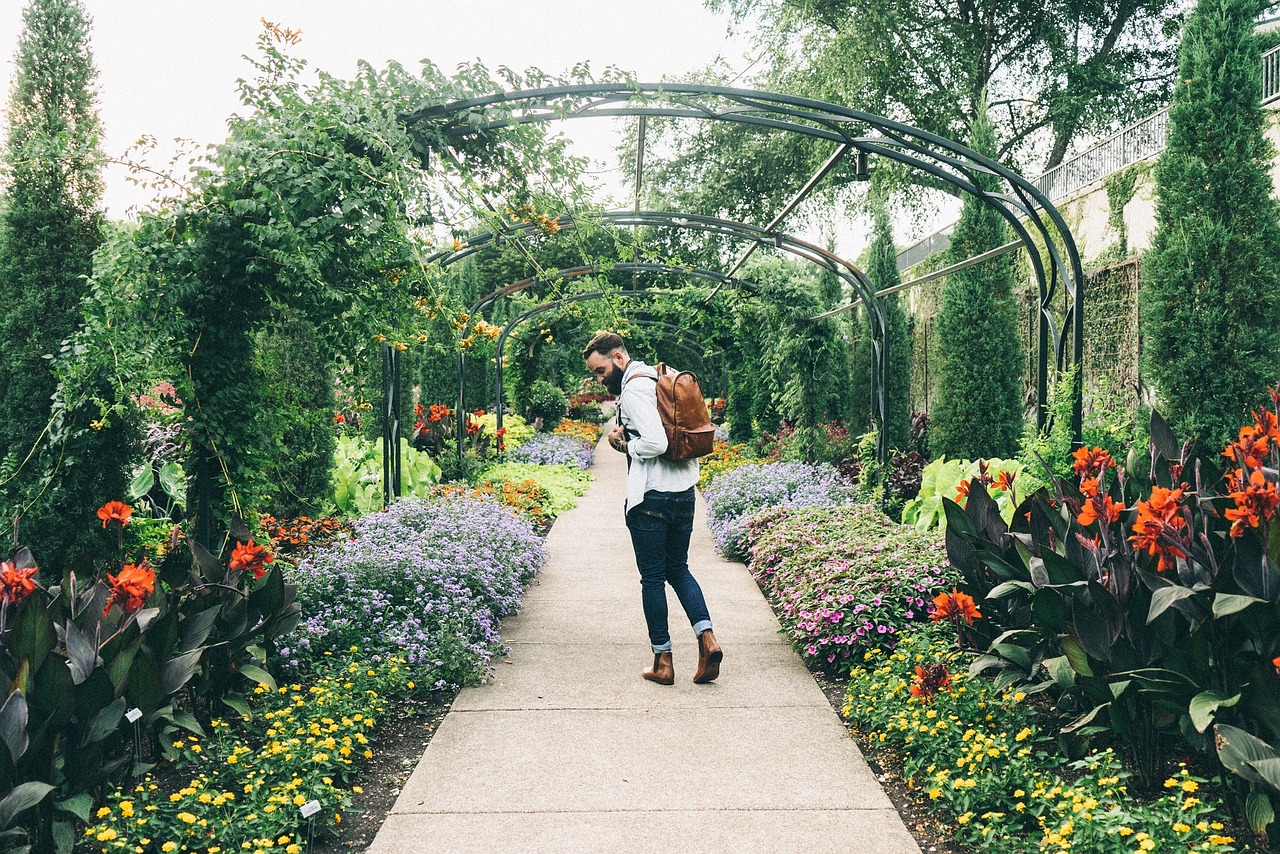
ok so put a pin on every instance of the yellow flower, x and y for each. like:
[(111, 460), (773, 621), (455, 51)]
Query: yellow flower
[(1147, 844), (186, 818), (1126, 831), (299, 800), (104, 812), (1190, 785), (169, 846), (107, 835)]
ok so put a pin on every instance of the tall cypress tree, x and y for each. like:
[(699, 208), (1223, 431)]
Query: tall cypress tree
[(978, 412), (1211, 290), (839, 388), (882, 270), (50, 226)]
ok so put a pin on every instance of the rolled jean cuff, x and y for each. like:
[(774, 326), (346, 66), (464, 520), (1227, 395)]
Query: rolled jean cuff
[(658, 649), (700, 627)]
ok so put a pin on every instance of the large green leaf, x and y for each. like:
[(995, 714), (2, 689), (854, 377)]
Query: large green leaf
[(175, 672), (1074, 651), (1238, 750), (141, 483), (1259, 811), (1226, 604), (174, 482), (196, 628), (33, 635), (13, 725), (77, 805), (1164, 598), (258, 676), (23, 797), (1205, 704), (105, 722), (82, 653)]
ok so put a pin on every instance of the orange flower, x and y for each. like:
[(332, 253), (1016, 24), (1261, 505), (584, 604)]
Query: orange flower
[(131, 587), (1255, 502), (1275, 662), (438, 412), (957, 605), (1004, 480), (16, 584), (1099, 507), (1158, 526), (1265, 421), (250, 556), (930, 680), (115, 511), (1249, 450), (339, 419), (962, 492), (1090, 462), (1089, 487)]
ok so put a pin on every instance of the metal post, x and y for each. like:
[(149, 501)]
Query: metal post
[(391, 462)]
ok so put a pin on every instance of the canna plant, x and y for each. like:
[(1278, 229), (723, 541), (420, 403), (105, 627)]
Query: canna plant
[(1147, 596), (96, 667)]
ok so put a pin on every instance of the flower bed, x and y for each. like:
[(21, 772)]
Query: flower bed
[(981, 754), (724, 457), (735, 496), (554, 449), (247, 781), (586, 432), (844, 578), (563, 484), (428, 580)]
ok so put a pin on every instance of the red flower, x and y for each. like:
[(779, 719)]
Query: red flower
[(250, 556), (1159, 526), (115, 511), (1254, 502), (1275, 662), (438, 413), (1099, 507), (417, 409), (473, 427), (1004, 480), (957, 605), (1250, 449), (962, 492), (1090, 462), (930, 680), (339, 419), (131, 587), (16, 584)]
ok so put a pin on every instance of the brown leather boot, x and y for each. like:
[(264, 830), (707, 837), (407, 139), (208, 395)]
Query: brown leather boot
[(709, 656), (662, 672)]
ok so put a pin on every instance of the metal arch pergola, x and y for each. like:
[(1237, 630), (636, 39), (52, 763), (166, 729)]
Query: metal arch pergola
[(847, 272), (1045, 233)]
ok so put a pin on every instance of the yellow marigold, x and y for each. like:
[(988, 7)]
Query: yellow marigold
[(186, 818)]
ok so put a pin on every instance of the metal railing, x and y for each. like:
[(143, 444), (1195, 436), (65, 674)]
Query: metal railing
[(1137, 142)]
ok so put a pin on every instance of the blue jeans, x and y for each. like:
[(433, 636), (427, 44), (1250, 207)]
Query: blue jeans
[(660, 528)]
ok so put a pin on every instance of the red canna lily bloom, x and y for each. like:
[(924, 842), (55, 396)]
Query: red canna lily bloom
[(16, 584), (1275, 662), (930, 680), (957, 605), (1090, 462), (1265, 422), (115, 511), (1099, 507), (131, 587), (962, 492), (1159, 526), (1255, 502), (339, 419), (1249, 450), (251, 556), (1004, 480)]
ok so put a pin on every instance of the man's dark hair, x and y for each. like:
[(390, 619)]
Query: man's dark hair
[(604, 343)]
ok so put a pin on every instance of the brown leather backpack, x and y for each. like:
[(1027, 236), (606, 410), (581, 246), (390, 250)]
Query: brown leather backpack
[(684, 414)]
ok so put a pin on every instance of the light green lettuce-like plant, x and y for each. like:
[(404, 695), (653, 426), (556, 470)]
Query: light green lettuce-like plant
[(357, 474), (942, 479), (518, 430)]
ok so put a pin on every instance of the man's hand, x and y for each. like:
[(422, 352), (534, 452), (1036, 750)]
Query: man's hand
[(617, 438)]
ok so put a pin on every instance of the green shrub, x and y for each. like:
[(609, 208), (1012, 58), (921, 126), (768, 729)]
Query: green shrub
[(547, 405)]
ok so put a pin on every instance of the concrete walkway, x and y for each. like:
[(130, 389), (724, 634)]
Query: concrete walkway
[(568, 749)]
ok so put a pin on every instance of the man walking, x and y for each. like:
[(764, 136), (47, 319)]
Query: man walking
[(659, 506)]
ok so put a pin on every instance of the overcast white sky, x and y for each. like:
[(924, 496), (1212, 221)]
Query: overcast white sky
[(168, 67)]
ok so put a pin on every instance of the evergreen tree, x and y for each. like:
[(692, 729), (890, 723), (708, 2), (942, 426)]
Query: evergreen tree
[(882, 270), (839, 389), (978, 412), (1211, 295), (860, 406), (50, 225)]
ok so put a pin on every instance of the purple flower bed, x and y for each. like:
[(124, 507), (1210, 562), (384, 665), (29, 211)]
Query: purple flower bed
[(552, 449), (736, 495), (429, 580), (845, 579)]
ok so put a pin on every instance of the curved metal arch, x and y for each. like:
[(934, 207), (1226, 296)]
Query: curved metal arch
[(947, 160), (851, 274)]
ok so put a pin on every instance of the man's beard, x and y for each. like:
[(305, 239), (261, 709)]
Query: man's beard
[(613, 380)]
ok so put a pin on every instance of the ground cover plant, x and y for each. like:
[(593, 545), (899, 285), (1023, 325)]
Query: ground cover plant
[(426, 580), (563, 484), (586, 432), (724, 457), (844, 579), (736, 495)]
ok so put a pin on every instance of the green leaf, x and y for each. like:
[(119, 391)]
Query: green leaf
[(187, 721), (238, 703), (105, 722), (141, 483), (33, 635), (77, 805), (173, 480), (1061, 671), (195, 629), (1269, 769), (1074, 651), (1259, 811), (1226, 604), (175, 672), (23, 797), (1205, 704), (1238, 749), (1009, 588), (64, 837), (1084, 719), (1166, 597), (258, 676), (13, 725), (82, 653)]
